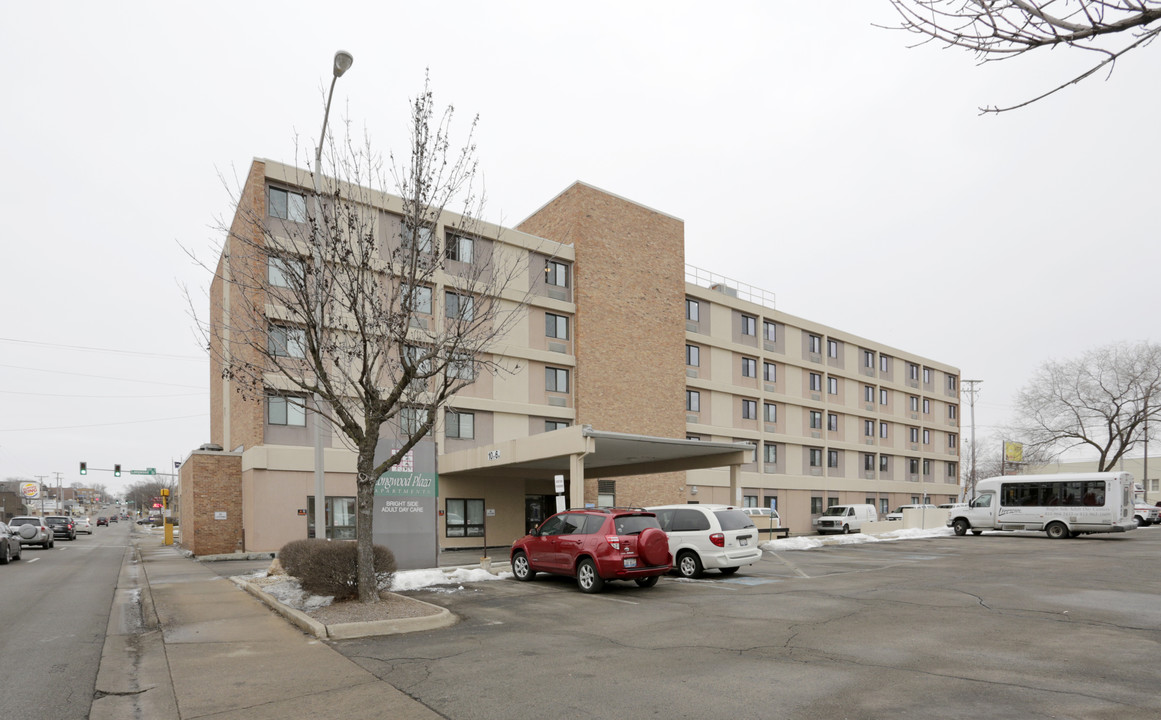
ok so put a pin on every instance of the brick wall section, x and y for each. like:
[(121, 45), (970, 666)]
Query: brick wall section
[(211, 482), (629, 287)]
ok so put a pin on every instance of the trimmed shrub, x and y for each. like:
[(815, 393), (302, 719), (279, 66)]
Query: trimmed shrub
[(327, 567)]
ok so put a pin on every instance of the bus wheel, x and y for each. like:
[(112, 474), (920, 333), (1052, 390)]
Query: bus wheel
[(960, 526), (1056, 531)]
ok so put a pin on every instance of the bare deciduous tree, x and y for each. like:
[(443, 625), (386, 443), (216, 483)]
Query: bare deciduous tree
[(1099, 401), (1001, 29), (383, 316)]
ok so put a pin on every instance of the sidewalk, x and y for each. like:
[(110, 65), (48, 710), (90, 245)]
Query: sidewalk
[(184, 642)]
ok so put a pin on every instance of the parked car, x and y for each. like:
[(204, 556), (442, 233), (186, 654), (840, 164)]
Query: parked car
[(845, 518), (62, 526), (701, 537), (83, 525), (9, 544), (897, 513), (764, 517), (595, 545), (102, 520), (1145, 515), (33, 531)]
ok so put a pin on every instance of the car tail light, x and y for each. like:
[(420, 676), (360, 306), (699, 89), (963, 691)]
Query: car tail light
[(613, 540), (718, 539)]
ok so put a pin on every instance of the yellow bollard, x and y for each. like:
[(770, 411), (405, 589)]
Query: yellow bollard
[(168, 531)]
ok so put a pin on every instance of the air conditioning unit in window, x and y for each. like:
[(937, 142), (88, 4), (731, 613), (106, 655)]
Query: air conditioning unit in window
[(724, 289)]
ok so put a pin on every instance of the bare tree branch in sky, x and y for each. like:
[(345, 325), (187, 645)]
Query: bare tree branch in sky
[(1001, 29)]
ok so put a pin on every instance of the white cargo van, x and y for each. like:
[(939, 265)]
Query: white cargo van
[(845, 519), (1063, 505)]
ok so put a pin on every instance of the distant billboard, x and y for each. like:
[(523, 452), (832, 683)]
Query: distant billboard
[(29, 490), (1013, 451)]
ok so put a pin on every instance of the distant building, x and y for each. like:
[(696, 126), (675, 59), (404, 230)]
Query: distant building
[(653, 381), (1150, 487)]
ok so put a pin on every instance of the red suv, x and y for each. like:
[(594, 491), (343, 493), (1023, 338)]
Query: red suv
[(595, 545)]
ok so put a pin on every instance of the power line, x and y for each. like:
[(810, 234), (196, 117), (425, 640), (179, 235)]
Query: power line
[(105, 350), (104, 397), (100, 377), (110, 424)]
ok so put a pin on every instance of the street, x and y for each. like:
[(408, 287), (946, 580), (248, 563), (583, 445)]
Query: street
[(949, 627), (54, 609)]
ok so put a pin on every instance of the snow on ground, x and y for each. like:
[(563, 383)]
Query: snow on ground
[(810, 542)]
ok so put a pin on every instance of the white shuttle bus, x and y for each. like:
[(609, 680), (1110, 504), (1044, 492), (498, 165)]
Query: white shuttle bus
[(1064, 505)]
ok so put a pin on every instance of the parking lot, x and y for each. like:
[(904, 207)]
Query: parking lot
[(947, 627)]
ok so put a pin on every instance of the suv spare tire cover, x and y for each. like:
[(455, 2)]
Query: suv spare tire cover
[(653, 545), (29, 531)]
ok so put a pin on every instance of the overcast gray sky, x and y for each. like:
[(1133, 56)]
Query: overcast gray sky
[(810, 154)]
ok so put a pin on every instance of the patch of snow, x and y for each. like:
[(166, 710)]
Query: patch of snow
[(419, 579), (810, 542)]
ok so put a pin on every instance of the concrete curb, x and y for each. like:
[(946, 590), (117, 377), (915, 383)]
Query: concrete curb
[(346, 631)]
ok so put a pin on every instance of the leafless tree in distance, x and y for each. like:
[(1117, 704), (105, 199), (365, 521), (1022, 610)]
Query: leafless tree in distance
[(404, 310), (1001, 29), (1099, 402)]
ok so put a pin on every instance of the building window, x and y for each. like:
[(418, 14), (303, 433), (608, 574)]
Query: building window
[(883, 396), (951, 382), (461, 367), (952, 412), (749, 409), (814, 344), (418, 241), (884, 463), (750, 501), (770, 454), (926, 436), (912, 371), (832, 457), (868, 393), (417, 299), (832, 348), (692, 355), (869, 462), (832, 422), (556, 380), (458, 306), (280, 271), (770, 331), (816, 382), (556, 273), (884, 363), (914, 403), (692, 401), (285, 341), (832, 385), (815, 457), (914, 434), (749, 367), (692, 310), (913, 466), (869, 428), (815, 420), (412, 420), (556, 326), (926, 466), (339, 520), (465, 517), (883, 430), (951, 471), (926, 406), (459, 248), (769, 372), (749, 325), (285, 410), (815, 506), (951, 440), (927, 375), (287, 205), (771, 411), (550, 425), (868, 359), (460, 425)]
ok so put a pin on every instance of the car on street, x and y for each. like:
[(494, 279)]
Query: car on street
[(1144, 514), (33, 530), (102, 520), (595, 545), (845, 519), (112, 518), (708, 537), (62, 526), (83, 525), (897, 513), (9, 544)]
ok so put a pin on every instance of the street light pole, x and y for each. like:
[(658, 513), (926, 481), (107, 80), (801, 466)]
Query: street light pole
[(342, 63)]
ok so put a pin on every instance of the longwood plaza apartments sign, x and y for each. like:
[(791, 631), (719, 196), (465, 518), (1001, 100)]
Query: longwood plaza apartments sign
[(406, 506)]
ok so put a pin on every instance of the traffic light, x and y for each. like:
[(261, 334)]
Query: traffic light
[(117, 470), (84, 468)]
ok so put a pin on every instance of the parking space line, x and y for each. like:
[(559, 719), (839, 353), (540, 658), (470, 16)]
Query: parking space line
[(791, 565)]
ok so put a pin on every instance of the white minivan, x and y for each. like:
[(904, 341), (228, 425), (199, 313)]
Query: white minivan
[(845, 519), (703, 537)]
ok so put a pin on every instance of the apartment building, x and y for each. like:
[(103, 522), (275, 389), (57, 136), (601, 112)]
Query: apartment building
[(635, 378)]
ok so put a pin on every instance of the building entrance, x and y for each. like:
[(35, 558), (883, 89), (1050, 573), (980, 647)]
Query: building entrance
[(537, 509)]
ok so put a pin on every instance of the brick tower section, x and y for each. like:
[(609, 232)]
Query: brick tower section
[(210, 503), (629, 290)]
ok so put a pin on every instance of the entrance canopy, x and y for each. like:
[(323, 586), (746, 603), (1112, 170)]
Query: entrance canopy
[(581, 452)]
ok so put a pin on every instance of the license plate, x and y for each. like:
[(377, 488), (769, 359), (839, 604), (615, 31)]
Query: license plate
[(743, 541), (630, 562)]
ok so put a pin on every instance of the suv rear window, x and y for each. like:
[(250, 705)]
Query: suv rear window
[(634, 524), (24, 521), (733, 519)]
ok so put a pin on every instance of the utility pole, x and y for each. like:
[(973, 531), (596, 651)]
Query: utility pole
[(971, 391), (41, 479)]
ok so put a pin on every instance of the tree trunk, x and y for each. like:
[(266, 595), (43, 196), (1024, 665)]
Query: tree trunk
[(365, 512)]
